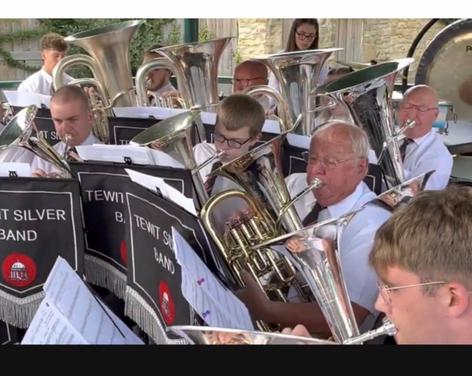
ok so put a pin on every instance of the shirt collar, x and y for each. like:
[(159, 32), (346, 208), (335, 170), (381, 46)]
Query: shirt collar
[(423, 139), (346, 205)]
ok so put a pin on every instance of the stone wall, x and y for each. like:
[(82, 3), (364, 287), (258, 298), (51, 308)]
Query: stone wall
[(382, 39)]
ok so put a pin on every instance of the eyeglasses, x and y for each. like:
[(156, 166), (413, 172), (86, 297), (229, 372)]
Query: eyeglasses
[(231, 142), (418, 108), (246, 81), (304, 36), (384, 290), (328, 162)]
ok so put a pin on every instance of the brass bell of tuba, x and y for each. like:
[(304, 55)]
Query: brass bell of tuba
[(21, 132), (366, 94), (195, 66), (298, 74), (173, 136), (108, 59)]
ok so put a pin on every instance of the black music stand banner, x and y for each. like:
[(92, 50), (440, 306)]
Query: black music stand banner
[(8, 334), (46, 129), (39, 220), (154, 298), (122, 130), (103, 186)]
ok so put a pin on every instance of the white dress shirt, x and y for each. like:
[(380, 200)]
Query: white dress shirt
[(40, 83), (39, 163), (356, 240), (425, 154)]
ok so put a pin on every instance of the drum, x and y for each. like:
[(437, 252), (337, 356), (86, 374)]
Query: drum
[(446, 66)]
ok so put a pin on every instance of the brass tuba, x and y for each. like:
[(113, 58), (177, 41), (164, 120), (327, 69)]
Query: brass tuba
[(195, 66), (21, 132), (367, 96), (108, 59), (298, 74)]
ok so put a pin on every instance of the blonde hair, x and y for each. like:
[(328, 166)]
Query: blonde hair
[(238, 111), (431, 237), (53, 41)]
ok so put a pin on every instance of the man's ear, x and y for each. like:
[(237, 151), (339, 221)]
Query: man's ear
[(457, 299), (363, 165)]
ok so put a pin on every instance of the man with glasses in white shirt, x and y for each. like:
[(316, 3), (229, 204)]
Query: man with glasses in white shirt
[(423, 150), (339, 158)]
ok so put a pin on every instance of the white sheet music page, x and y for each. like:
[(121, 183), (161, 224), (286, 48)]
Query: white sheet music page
[(147, 112), (15, 169), (22, 99), (70, 313), (217, 305), (115, 153), (153, 183)]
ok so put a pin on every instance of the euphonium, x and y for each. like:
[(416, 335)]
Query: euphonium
[(367, 95), (270, 213), (298, 74), (108, 59), (20, 132)]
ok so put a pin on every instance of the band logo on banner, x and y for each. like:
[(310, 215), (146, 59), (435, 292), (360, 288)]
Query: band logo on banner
[(103, 188), (39, 220), (154, 299)]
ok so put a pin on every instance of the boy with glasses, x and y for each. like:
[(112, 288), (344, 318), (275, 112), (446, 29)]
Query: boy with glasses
[(423, 150), (238, 127)]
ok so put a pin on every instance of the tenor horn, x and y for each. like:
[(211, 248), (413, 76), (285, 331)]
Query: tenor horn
[(367, 95), (21, 132)]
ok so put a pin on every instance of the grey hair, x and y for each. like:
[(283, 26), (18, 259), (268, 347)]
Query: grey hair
[(359, 139)]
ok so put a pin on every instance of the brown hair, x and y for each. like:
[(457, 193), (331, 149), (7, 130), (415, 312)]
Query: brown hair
[(238, 111), (431, 237), (70, 93), (53, 41), (291, 45)]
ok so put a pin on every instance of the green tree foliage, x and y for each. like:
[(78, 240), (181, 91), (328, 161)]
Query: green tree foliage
[(153, 31)]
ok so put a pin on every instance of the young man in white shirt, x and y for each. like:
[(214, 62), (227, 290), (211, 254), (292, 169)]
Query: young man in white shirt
[(339, 158), (53, 50), (425, 151), (73, 121)]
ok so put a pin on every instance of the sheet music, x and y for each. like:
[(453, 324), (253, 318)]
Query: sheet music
[(217, 305), (126, 154), (70, 313), (159, 113), (167, 191), (15, 169), (22, 99), (299, 140)]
